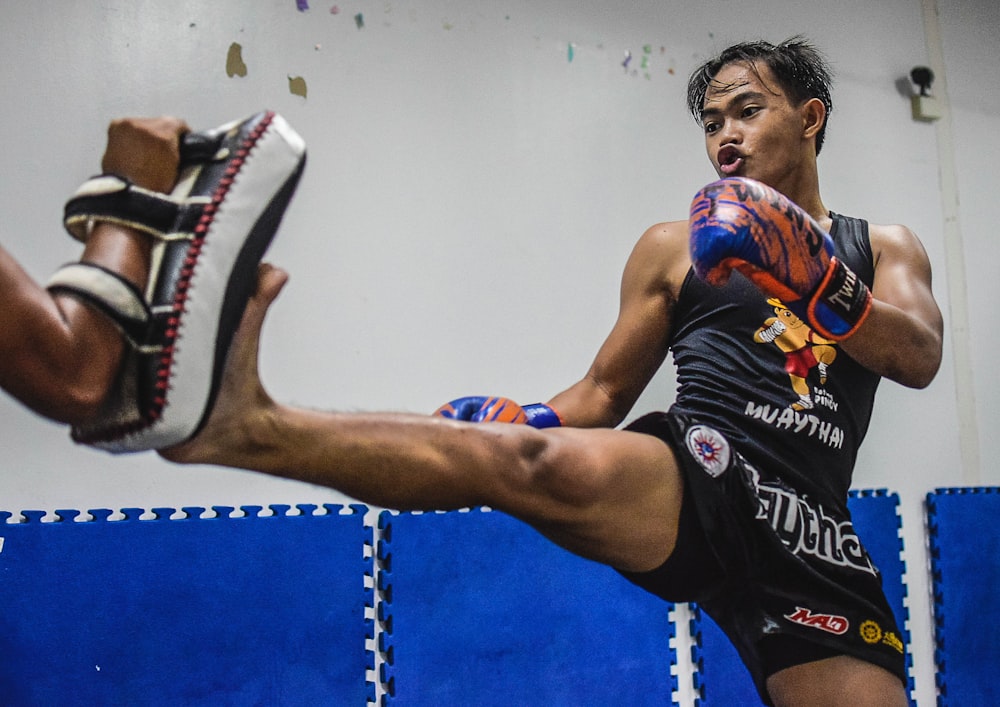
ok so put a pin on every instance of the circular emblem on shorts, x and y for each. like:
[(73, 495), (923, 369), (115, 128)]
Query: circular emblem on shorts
[(709, 448), (871, 632)]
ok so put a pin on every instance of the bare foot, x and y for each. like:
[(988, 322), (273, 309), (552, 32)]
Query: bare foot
[(241, 400)]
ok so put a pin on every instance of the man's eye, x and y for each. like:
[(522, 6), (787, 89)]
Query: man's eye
[(750, 110), (711, 128)]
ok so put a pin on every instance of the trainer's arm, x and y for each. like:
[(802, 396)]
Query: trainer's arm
[(637, 344), (57, 355), (901, 339)]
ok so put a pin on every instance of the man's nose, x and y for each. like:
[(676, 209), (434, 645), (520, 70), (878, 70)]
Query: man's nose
[(729, 132)]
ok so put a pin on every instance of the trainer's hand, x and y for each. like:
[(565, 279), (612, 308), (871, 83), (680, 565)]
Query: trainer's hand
[(146, 151), (480, 408), (741, 224)]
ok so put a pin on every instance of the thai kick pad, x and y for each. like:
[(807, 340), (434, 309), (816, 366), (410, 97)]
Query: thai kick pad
[(209, 236), (479, 609), (720, 677), (185, 610), (964, 529)]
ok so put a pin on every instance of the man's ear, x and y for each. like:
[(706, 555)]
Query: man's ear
[(813, 114)]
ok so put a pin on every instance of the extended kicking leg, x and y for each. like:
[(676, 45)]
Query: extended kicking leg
[(607, 495)]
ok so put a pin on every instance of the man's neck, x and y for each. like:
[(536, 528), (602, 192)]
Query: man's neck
[(803, 189)]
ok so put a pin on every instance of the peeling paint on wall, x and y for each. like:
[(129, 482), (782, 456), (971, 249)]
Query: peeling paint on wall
[(235, 66), (643, 62), (297, 86)]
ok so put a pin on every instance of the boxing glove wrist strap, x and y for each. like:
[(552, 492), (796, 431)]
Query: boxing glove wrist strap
[(541, 416), (840, 304)]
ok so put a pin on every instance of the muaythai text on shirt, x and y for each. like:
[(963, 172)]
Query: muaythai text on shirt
[(797, 421)]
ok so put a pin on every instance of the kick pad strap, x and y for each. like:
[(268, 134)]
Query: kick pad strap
[(109, 292), (113, 199)]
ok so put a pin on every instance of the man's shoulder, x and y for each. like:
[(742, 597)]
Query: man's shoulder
[(890, 230), (667, 233), (666, 242), (892, 236), (662, 254)]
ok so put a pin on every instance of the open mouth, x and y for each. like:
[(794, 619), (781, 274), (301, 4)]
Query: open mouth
[(730, 160)]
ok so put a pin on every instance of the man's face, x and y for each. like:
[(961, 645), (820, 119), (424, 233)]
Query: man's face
[(751, 128)]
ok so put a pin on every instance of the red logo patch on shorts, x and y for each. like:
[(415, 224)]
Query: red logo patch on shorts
[(831, 623), (709, 448)]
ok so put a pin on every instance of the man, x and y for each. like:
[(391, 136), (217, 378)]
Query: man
[(696, 504), (59, 354)]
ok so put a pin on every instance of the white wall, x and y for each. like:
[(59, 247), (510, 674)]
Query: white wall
[(971, 58), (472, 195)]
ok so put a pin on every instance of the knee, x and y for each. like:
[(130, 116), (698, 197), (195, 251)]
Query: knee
[(556, 472)]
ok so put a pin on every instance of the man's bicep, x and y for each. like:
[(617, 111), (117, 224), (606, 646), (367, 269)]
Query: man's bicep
[(621, 370), (903, 275), (637, 344), (902, 337)]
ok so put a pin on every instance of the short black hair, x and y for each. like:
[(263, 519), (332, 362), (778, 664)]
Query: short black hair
[(800, 69)]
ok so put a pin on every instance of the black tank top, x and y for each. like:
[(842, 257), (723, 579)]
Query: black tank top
[(792, 403)]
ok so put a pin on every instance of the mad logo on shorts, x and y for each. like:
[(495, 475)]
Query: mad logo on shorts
[(709, 448), (831, 623)]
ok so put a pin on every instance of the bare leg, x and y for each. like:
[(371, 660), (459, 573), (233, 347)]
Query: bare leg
[(835, 682), (607, 495)]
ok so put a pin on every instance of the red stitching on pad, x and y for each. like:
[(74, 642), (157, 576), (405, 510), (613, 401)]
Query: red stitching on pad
[(194, 251)]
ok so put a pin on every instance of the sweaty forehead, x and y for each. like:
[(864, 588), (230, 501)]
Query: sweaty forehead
[(738, 78)]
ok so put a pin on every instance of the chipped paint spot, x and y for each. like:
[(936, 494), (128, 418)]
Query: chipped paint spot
[(297, 86), (235, 66)]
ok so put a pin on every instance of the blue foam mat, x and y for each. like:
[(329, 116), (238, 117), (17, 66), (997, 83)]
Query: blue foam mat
[(195, 611), (481, 610), (720, 677), (964, 529)]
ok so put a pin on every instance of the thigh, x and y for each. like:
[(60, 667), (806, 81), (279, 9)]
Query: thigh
[(693, 571), (608, 495), (841, 680)]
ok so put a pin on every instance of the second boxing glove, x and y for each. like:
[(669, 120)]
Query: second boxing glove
[(742, 224)]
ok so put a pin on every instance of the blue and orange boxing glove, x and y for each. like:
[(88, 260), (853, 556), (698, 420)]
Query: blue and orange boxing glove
[(742, 224), (481, 408)]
